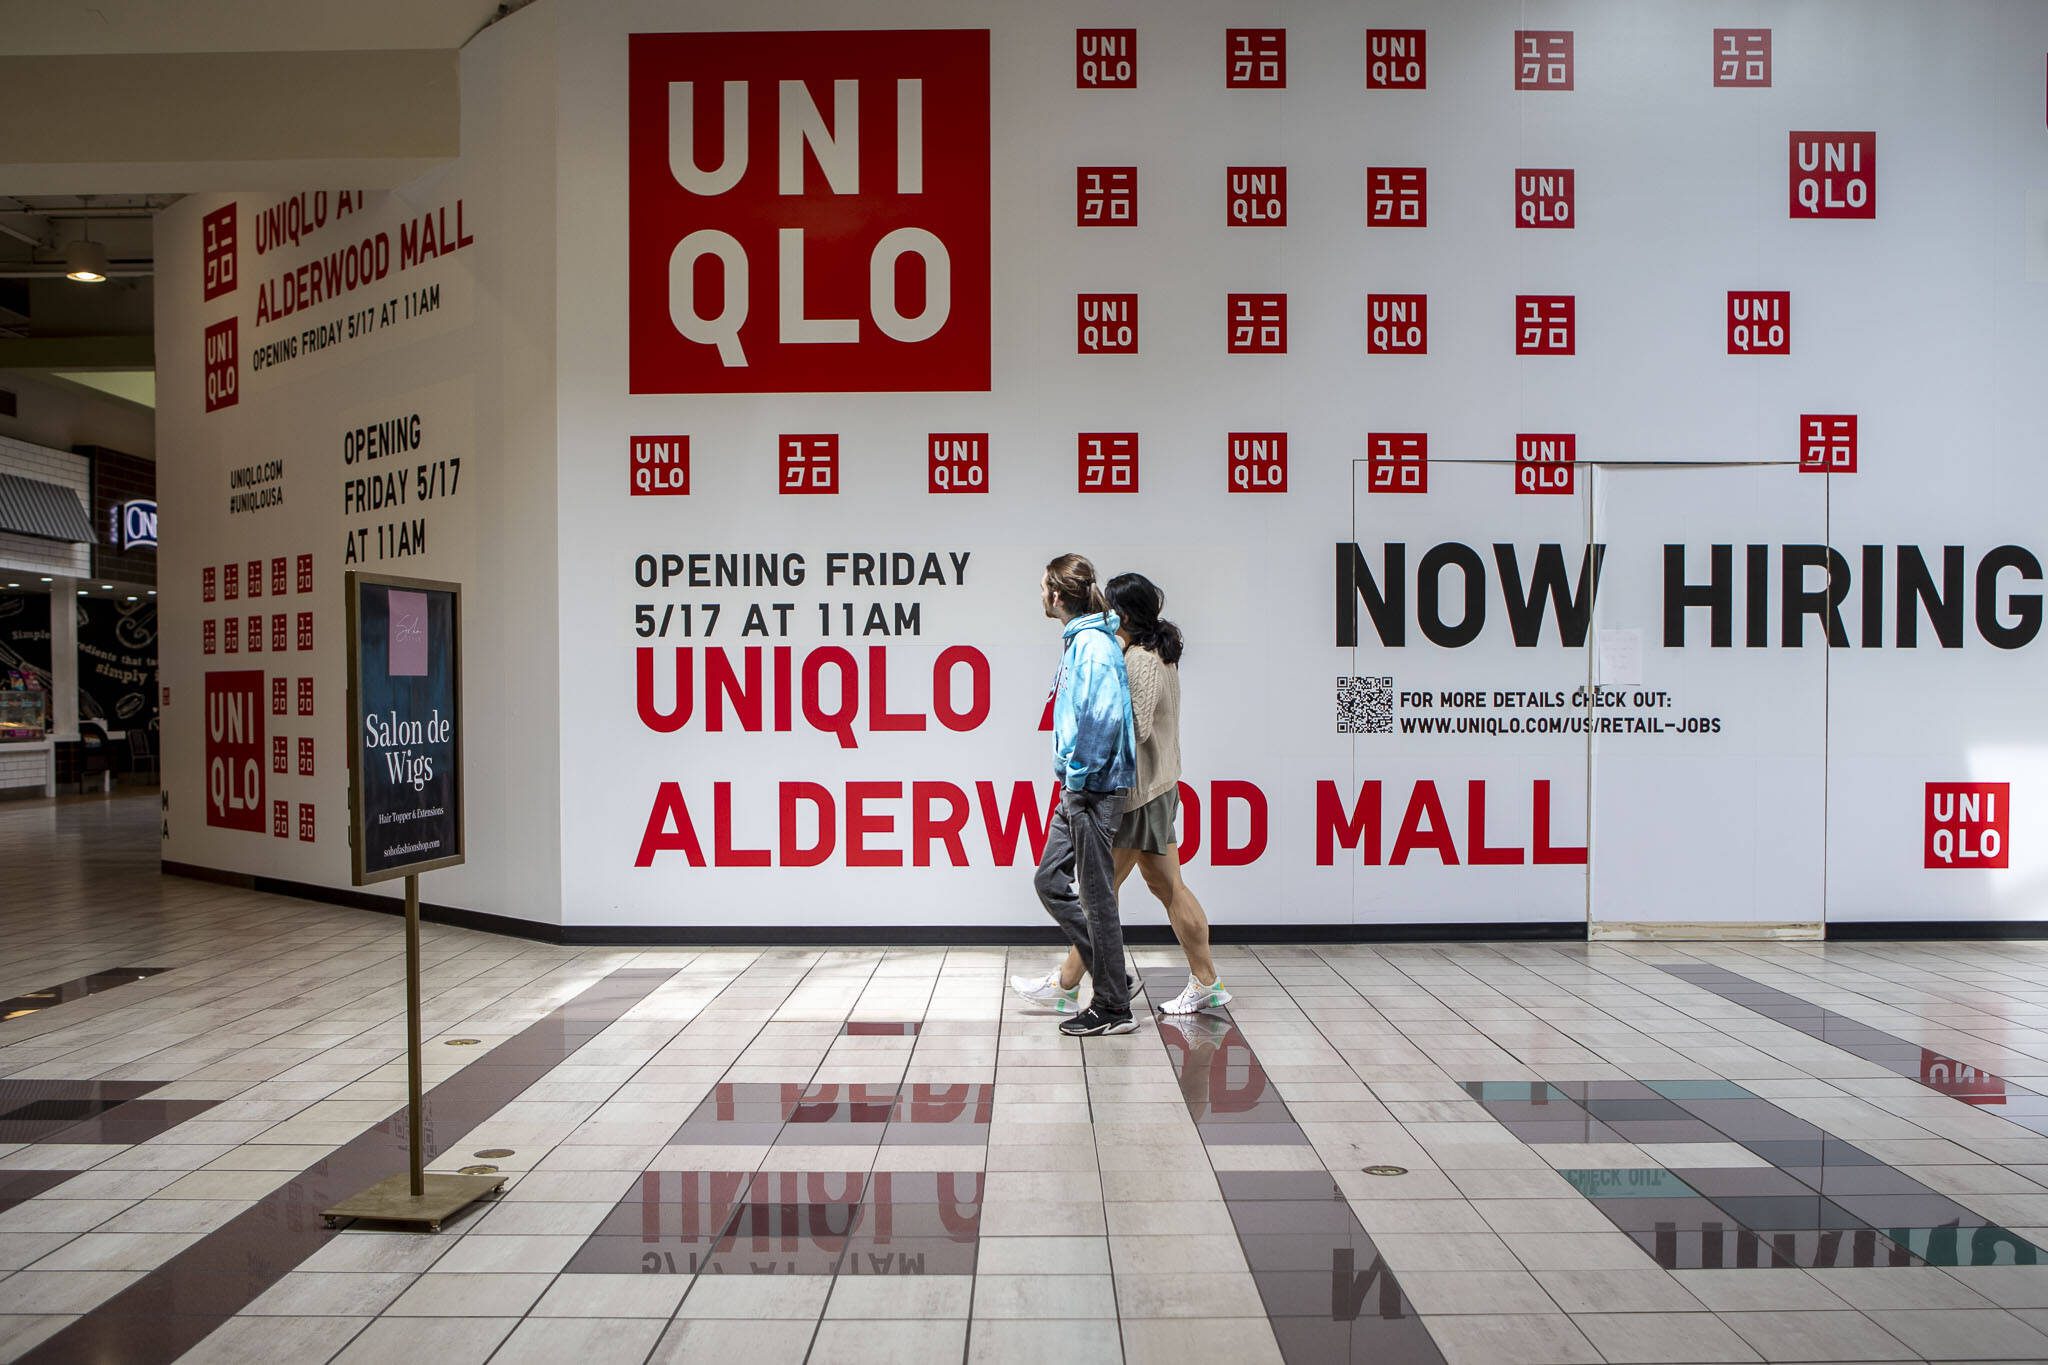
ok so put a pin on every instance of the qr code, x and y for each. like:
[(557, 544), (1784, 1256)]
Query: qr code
[(1365, 706)]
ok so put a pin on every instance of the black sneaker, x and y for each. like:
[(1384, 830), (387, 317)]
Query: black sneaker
[(1095, 1020)]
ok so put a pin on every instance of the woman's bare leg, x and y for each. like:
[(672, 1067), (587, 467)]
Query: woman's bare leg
[(1190, 922), (1070, 970)]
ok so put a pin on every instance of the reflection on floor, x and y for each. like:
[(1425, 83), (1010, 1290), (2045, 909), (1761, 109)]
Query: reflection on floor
[(1454, 1152)]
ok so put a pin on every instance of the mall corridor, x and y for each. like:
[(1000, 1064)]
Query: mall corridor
[(1458, 1152)]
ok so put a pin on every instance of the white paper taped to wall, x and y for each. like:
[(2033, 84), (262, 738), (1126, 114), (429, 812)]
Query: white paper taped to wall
[(1621, 655)]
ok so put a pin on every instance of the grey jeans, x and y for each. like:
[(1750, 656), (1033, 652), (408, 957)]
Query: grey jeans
[(1077, 851)]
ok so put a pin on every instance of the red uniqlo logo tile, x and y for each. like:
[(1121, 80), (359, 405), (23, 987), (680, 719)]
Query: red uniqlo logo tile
[(1255, 58), (280, 754), (278, 576), (1397, 196), (1827, 443), (305, 822), (1834, 175), (1545, 324), (256, 634), (278, 690), (1105, 59), (223, 361), (1256, 324), (305, 696), (659, 466), (1544, 462), (1397, 462), (794, 199), (1742, 57), (1969, 824), (1258, 462), (255, 578), (217, 251), (280, 637), (1256, 196), (1543, 59), (1105, 196), (281, 819), (807, 464), (958, 462), (305, 573), (305, 755), (208, 637), (305, 630), (1396, 324), (1759, 322), (1106, 324), (1543, 199), (231, 581), (1396, 59), (1109, 461), (231, 635), (207, 578)]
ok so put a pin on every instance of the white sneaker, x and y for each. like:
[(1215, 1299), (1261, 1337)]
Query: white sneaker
[(1195, 996), (1047, 993)]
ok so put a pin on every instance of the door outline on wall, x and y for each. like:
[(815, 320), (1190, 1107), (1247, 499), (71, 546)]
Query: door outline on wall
[(1641, 554)]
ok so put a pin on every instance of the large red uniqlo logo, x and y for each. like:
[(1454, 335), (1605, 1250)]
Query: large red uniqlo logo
[(1546, 324), (1742, 57), (1396, 59), (957, 462), (807, 464), (1105, 59), (1397, 462), (808, 211), (1543, 199), (1969, 824), (1256, 196), (1106, 324), (1960, 1080), (1759, 322), (223, 360), (1545, 462), (1543, 59), (1105, 196), (659, 465), (1397, 196), (1256, 324), (217, 251), (1396, 324), (1109, 461), (1258, 462), (1255, 58), (1827, 443), (234, 750), (1834, 175)]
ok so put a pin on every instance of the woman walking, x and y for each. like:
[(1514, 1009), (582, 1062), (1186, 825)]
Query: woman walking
[(1144, 839)]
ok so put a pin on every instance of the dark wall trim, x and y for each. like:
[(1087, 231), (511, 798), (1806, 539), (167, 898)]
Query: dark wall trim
[(1869, 931), (718, 936)]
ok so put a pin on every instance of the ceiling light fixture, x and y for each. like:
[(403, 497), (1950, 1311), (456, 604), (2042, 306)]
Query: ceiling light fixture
[(86, 262)]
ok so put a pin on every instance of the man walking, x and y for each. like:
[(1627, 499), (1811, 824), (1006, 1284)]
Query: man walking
[(1094, 742)]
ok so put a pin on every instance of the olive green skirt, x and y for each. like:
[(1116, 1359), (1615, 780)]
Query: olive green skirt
[(1149, 828)]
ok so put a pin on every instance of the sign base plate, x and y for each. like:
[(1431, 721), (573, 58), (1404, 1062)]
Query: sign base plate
[(391, 1200)]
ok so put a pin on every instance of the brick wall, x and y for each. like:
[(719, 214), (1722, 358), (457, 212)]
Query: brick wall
[(30, 554)]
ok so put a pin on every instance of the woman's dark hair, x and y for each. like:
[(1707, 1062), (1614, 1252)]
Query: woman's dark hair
[(1137, 602)]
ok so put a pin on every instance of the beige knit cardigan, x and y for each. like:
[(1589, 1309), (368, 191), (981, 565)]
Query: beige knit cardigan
[(1155, 706)]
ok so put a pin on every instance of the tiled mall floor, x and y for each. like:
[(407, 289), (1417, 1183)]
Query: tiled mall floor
[(1784, 1152)]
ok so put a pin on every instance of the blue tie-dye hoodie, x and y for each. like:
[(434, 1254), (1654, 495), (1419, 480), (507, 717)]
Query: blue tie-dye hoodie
[(1094, 739)]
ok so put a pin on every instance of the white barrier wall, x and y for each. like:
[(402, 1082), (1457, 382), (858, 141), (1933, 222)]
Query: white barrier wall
[(1592, 450)]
